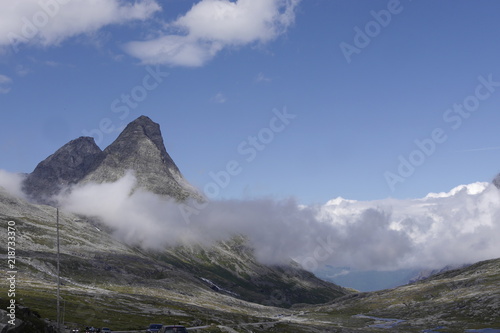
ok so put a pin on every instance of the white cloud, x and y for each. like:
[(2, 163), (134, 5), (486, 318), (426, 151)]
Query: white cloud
[(12, 183), (433, 232), (49, 22), (212, 25), (5, 82), (173, 50), (474, 188), (456, 227)]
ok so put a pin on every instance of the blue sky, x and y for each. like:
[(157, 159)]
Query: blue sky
[(231, 67)]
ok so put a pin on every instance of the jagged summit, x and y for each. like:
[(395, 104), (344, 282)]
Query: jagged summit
[(67, 166), (135, 132), (139, 127), (138, 148)]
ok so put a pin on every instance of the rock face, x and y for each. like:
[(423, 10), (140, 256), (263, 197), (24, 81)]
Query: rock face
[(67, 166), (139, 148)]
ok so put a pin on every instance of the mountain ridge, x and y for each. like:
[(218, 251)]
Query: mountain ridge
[(65, 167), (139, 148)]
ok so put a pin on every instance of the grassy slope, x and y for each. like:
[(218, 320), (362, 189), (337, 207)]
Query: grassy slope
[(457, 299)]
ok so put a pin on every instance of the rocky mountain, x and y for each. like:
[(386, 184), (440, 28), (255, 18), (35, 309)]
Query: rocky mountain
[(67, 166), (104, 278), (139, 148), (427, 273), (106, 282)]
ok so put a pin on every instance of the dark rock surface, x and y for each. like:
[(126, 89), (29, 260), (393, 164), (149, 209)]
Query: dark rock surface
[(139, 148), (67, 166)]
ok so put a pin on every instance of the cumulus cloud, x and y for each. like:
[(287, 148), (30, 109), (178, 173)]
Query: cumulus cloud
[(432, 232), (12, 183), (52, 21), (441, 229), (211, 25), (142, 218)]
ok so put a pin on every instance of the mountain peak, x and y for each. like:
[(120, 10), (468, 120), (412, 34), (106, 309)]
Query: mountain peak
[(136, 131), (67, 166), (138, 148), (143, 119), (148, 126)]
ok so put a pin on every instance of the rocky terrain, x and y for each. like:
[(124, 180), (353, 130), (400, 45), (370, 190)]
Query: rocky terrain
[(222, 283), (453, 301), (211, 282)]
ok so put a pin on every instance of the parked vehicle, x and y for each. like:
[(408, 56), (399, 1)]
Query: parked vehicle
[(173, 329), (105, 330), (154, 328)]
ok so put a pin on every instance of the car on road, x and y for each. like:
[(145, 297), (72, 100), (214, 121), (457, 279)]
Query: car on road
[(154, 328), (105, 330), (173, 329)]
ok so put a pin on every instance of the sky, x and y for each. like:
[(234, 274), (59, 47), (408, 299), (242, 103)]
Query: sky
[(313, 99)]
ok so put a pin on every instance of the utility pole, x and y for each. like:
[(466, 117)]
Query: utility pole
[(64, 311), (58, 280)]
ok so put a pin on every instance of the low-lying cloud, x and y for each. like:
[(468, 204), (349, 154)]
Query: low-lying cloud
[(12, 183), (453, 228)]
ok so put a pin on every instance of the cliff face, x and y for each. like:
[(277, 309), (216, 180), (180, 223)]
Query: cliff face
[(67, 166), (139, 148)]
